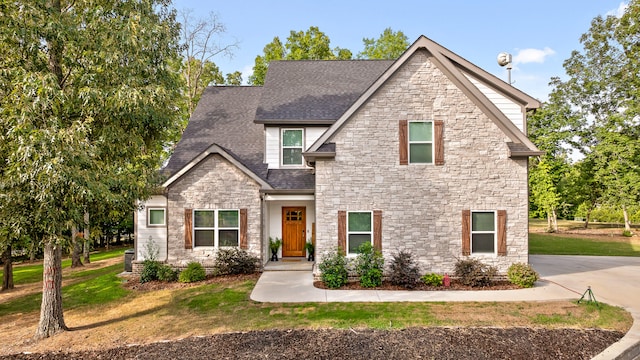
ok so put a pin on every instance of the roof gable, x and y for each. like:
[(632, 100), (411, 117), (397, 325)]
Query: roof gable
[(452, 66)]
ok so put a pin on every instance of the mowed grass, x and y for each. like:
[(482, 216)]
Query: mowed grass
[(545, 244), (222, 307), (32, 273)]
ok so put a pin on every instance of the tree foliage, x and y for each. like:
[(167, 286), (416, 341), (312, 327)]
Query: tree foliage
[(312, 44), (88, 101), (389, 46), (596, 112)]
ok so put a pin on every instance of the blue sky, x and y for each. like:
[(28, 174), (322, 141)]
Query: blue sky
[(539, 34)]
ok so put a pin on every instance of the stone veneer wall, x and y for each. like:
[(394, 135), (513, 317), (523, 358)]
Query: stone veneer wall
[(422, 204), (213, 184)]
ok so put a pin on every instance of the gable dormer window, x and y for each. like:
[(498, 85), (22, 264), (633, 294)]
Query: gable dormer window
[(292, 144)]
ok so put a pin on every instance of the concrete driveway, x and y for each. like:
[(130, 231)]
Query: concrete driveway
[(614, 280)]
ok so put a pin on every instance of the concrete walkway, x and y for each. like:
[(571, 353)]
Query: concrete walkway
[(613, 280)]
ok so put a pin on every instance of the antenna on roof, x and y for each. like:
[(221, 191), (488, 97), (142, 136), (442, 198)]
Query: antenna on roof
[(504, 59)]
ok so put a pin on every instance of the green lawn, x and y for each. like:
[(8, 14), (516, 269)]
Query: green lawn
[(544, 244), (25, 274)]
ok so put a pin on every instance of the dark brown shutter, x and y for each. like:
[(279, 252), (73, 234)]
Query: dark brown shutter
[(244, 243), (403, 136), (188, 228), (466, 232), (502, 233), (342, 230), (377, 230), (438, 141)]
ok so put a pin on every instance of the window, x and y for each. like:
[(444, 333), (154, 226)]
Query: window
[(156, 217), (420, 142), (483, 232), (359, 230), (292, 146), (218, 228)]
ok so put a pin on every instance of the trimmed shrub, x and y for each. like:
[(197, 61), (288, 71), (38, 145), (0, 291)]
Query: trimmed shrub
[(167, 273), (627, 233), (233, 261), (194, 272), (149, 271), (472, 272), (403, 270), (334, 269), (369, 265), (522, 275), (432, 279)]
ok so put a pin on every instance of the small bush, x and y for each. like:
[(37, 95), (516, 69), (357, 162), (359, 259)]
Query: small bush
[(369, 265), (167, 273), (149, 271), (194, 272), (522, 275), (627, 233), (233, 261), (334, 269), (403, 270), (474, 273), (432, 279)]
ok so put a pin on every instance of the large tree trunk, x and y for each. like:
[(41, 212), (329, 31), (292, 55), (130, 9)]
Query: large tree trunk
[(76, 248), (627, 223), (587, 218), (51, 315), (87, 242), (7, 278)]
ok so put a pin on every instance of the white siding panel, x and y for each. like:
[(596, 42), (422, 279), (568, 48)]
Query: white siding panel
[(145, 234), (312, 134), (272, 147), (511, 109)]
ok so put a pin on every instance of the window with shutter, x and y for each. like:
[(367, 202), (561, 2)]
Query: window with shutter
[(421, 142), (484, 232), (217, 228)]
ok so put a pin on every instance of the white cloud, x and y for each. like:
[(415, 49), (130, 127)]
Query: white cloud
[(619, 11), (532, 55)]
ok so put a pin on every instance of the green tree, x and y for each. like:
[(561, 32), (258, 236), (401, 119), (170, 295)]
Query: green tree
[(90, 102), (389, 46), (312, 44), (603, 90)]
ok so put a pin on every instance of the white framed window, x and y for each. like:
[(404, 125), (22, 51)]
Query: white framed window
[(292, 145), (483, 232), (359, 230), (421, 142), (216, 228), (156, 217)]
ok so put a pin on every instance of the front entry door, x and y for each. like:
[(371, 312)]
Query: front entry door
[(294, 232)]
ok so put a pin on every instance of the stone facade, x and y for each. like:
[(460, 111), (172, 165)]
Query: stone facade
[(212, 184), (422, 203)]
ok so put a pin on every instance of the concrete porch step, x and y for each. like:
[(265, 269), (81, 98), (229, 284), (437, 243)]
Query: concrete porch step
[(290, 264)]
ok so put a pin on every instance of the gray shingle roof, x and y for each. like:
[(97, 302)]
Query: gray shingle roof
[(315, 90), (224, 116)]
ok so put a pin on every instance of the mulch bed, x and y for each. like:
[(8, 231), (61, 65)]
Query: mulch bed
[(455, 285), (414, 343)]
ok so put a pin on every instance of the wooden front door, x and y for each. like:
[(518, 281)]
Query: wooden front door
[(294, 232)]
